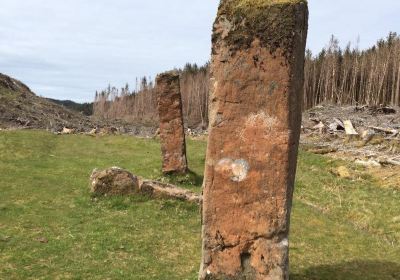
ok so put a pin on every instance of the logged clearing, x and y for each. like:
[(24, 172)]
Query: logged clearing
[(50, 228), (20, 108)]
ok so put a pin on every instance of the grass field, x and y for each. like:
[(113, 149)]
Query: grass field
[(51, 229)]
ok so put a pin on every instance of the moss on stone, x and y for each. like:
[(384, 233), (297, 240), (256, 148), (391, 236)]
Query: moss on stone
[(262, 3), (271, 21)]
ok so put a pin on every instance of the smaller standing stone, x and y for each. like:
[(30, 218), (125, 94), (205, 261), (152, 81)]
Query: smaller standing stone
[(113, 181), (172, 133)]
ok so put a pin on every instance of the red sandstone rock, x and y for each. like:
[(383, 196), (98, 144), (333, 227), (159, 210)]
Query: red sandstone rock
[(255, 115), (161, 190), (172, 132)]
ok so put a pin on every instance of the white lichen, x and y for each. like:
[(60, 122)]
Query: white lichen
[(237, 170)]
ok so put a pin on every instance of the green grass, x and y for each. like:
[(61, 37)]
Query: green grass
[(6, 95), (341, 228)]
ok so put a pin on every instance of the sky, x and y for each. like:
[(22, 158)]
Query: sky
[(69, 49)]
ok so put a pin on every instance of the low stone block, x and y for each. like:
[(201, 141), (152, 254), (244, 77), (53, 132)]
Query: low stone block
[(113, 181)]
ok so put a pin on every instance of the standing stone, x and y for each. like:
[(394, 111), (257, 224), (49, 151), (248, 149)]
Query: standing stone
[(255, 115), (172, 133)]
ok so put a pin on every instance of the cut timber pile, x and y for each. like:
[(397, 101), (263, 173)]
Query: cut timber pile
[(370, 136), (20, 108)]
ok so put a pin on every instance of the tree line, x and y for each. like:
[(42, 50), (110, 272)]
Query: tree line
[(84, 108), (348, 76), (140, 104), (352, 76)]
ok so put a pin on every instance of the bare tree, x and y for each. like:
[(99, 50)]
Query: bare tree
[(337, 76)]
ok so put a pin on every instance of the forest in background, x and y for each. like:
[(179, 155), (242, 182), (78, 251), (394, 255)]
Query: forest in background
[(84, 108), (348, 76), (140, 104)]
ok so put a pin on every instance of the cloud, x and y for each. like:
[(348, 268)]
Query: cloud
[(349, 19), (69, 49)]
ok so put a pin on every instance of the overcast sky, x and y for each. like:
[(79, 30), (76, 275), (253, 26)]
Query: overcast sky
[(68, 49)]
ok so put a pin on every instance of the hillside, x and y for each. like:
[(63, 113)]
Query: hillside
[(21, 108), (84, 108)]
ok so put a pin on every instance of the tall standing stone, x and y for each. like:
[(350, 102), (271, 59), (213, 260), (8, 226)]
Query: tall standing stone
[(172, 132), (255, 116)]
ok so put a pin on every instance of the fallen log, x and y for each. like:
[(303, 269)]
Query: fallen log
[(321, 127), (368, 163), (392, 131), (389, 161), (336, 125), (349, 128), (68, 131), (322, 150)]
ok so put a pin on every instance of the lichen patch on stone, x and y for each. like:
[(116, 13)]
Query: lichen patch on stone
[(284, 243), (259, 121), (240, 168), (236, 170), (263, 120)]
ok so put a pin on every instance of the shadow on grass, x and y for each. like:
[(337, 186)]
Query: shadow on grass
[(197, 179), (355, 270)]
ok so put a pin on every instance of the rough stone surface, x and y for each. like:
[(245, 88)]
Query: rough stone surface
[(172, 134), (255, 116), (161, 190), (113, 181), (117, 181)]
